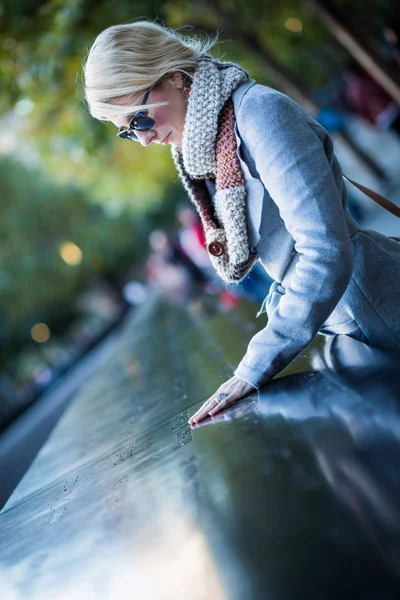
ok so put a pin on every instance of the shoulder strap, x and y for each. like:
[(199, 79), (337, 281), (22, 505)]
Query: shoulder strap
[(381, 200)]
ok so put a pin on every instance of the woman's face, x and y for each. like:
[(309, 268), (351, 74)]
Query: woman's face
[(169, 119)]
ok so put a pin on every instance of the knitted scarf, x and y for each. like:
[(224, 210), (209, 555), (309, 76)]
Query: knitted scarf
[(208, 151)]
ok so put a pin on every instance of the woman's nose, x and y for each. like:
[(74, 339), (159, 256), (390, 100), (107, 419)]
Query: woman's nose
[(145, 137)]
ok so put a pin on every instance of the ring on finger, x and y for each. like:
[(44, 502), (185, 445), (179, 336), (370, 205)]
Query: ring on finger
[(221, 397)]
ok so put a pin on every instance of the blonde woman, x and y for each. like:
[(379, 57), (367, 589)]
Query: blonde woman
[(265, 181)]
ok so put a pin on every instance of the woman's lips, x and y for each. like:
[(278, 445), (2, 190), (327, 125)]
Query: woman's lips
[(166, 139)]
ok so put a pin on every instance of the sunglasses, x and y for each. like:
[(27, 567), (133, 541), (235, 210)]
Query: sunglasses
[(140, 121)]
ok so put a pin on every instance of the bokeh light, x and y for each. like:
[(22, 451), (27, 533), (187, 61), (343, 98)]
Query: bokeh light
[(294, 25), (71, 253), (40, 333)]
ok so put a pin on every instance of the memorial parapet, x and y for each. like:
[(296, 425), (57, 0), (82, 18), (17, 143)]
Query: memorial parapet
[(293, 492)]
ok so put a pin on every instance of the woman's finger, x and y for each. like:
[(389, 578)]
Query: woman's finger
[(203, 410), (233, 389), (200, 410), (209, 403), (223, 404), (207, 406), (214, 403)]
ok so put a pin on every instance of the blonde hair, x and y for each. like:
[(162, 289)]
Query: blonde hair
[(125, 60)]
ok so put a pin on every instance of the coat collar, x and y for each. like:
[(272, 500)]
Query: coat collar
[(241, 90)]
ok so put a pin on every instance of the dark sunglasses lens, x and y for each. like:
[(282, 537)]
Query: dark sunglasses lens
[(144, 123), (123, 134), (128, 135), (140, 123)]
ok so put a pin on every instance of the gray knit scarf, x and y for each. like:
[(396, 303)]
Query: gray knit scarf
[(208, 151)]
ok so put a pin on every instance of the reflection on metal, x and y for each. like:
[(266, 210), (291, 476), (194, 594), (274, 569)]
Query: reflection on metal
[(291, 493)]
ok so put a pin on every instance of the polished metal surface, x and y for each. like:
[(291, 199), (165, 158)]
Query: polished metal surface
[(291, 493)]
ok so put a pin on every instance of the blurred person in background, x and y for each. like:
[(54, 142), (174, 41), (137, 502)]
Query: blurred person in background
[(369, 100), (267, 186), (164, 271), (191, 237), (335, 121), (192, 240), (389, 44)]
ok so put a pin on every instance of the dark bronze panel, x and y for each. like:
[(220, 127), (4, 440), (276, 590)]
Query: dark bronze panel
[(291, 493)]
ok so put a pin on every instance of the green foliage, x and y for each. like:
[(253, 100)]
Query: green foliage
[(41, 54), (37, 217), (45, 43)]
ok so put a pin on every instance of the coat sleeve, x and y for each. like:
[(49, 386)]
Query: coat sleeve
[(294, 168)]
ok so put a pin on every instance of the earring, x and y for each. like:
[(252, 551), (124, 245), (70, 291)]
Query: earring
[(186, 90)]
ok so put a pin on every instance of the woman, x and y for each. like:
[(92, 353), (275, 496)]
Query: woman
[(266, 183)]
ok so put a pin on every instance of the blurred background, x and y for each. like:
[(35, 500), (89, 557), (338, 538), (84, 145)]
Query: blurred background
[(91, 226)]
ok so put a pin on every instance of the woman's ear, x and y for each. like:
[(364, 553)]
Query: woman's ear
[(176, 80)]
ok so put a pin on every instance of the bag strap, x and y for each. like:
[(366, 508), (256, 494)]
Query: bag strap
[(381, 200)]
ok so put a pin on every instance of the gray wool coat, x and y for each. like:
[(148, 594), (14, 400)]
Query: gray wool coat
[(330, 275)]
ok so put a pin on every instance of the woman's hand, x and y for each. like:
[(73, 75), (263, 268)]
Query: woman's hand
[(235, 388)]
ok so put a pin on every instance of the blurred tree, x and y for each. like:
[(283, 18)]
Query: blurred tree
[(43, 45), (36, 283), (41, 54), (356, 41)]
